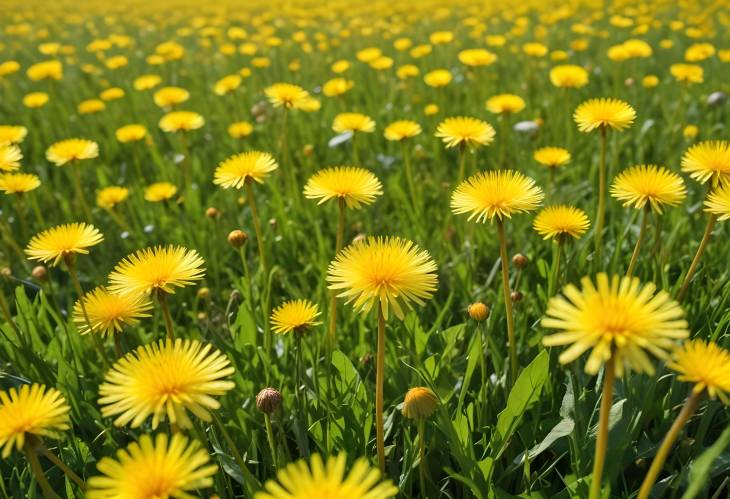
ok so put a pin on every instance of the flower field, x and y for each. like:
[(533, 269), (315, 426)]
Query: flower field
[(363, 250)]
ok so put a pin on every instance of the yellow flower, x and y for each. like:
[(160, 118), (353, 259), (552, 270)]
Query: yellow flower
[(618, 317), (389, 270), (407, 71), (420, 403), (650, 81), (159, 191), (687, 73), (430, 110), (178, 121), (637, 49), (534, 49), (337, 86), (708, 160), (170, 96), (9, 67), (227, 84), (500, 194), (294, 316), (505, 104), (46, 70), (718, 202), (463, 131), (655, 185), (240, 129), (296, 480), (285, 95), (165, 467), (706, 365), (568, 76), (131, 133), (32, 410), (368, 54), (70, 150), (11, 134), (476, 57), (309, 104), (604, 113), (35, 99), (438, 78), (353, 122), (690, 132), (18, 183), (699, 52), (401, 130), (340, 66), (146, 82), (552, 157), (440, 37), (109, 197), (109, 312), (116, 62), (62, 242), (158, 269), (10, 157), (240, 168), (559, 221), (114, 93), (354, 186)]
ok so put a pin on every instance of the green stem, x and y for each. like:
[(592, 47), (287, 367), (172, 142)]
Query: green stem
[(249, 478), (555, 272), (8, 317), (355, 154), (264, 266), (62, 466), (162, 298), (696, 259), (602, 438), (422, 455), (81, 199), (507, 302), (35, 465), (639, 240), (380, 367), (249, 281), (462, 162), (601, 213), (409, 174), (332, 328), (270, 437), (482, 370), (71, 266)]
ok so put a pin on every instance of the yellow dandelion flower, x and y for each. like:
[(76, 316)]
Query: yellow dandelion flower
[(285, 95), (170, 96), (227, 84), (70, 150), (687, 73), (505, 104), (655, 185), (235, 171), (353, 122), (718, 202), (131, 133), (618, 317), (46, 70), (163, 467), (10, 156), (438, 78), (90, 106), (401, 130), (463, 131), (114, 93), (708, 160), (706, 365), (62, 242), (604, 113), (31, 410), (560, 221), (552, 157), (354, 186), (109, 312), (109, 197), (337, 86), (476, 57), (181, 121), (12, 134), (500, 194), (146, 82), (299, 480), (158, 269), (35, 100), (534, 49), (240, 129), (420, 403), (568, 76), (294, 316), (18, 183)]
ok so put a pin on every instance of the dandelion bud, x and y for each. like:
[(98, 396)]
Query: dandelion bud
[(366, 359), (268, 400), (202, 316), (520, 261), (6, 272), (235, 295), (203, 293), (308, 150), (272, 222), (39, 273), (629, 82), (212, 212), (237, 238), (690, 131), (420, 403), (516, 296), (478, 311)]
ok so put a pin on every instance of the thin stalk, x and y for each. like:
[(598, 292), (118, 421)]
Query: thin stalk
[(262, 258), (270, 437), (380, 367), (37, 211), (602, 438), (35, 465), (8, 317), (696, 259), (462, 162), (409, 173), (639, 240), (62, 466), (162, 298), (21, 216), (555, 272), (76, 177), (689, 408), (482, 368), (355, 154), (601, 213), (507, 303), (503, 127), (249, 281), (332, 327), (422, 455), (249, 479), (71, 266)]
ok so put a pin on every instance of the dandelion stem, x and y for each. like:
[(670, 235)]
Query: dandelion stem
[(380, 367), (409, 173), (262, 258), (70, 264), (76, 176), (482, 368), (247, 275), (462, 162), (696, 259), (507, 302), (601, 213), (270, 438), (162, 298), (355, 154), (689, 408), (602, 437), (35, 465), (249, 479), (331, 330), (8, 317), (62, 466), (555, 272), (639, 240), (422, 455)]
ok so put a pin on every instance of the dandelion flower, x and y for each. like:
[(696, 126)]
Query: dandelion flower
[(31, 410), (420, 403), (240, 129), (505, 104), (109, 312), (146, 82), (10, 157), (163, 467), (604, 113), (69, 150), (552, 157), (706, 365), (181, 121), (568, 76), (687, 73), (353, 122), (165, 380), (109, 197), (718, 202), (168, 96), (560, 221), (618, 317), (390, 270), (63, 241), (235, 171), (90, 106), (285, 95), (463, 131), (337, 86), (294, 316), (401, 130), (131, 133), (160, 269), (438, 78), (355, 186), (708, 160), (476, 57), (496, 193), (159, 191), (299, 480), (12, 134), (35, 100), (18, 183), (650, 184)]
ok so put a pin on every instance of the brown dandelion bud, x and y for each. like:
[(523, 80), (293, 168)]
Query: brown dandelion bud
[(516, 296), (308, 150), (241, 200), (235, 295), (629, 82), (6, 272), (268, 400), (203, 293), (478, 311), (420, 403), (212, 212), (39, 273), (237, 238), (520, 261), (202, 316)]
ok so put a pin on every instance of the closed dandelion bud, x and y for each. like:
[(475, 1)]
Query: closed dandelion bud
[(203, 293), (520, 261), (212, 212), (308, 150), (237, 238), (6, 272), (241, 200), (690, 131), (629, 82), (640, 463), (516, 296), (268, 400), (478, 311), (420, 403), (235, 296), (39, 273), (202, 316), (272, 222)]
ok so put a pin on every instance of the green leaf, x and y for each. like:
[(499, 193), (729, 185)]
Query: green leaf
[(699, 473)]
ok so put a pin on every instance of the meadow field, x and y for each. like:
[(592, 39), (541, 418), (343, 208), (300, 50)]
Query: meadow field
[(360, 250)]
